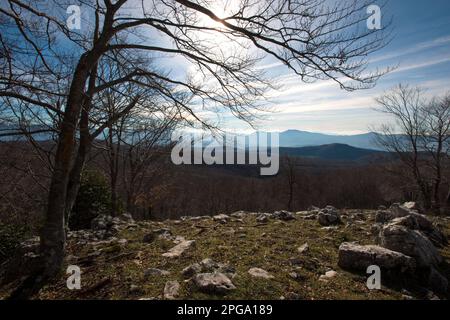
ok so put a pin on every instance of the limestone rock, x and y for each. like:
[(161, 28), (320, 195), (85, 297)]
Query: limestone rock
[(328, 275), (191, 270), (328, 216), (179, 249), (222, 218), (171, 290), (358, 257), (303, 248), (283, 215), (412, 243), (213, 283), (263, 218), (260, 273), (437, 282)]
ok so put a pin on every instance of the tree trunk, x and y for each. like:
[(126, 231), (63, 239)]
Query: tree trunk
[(53, 236)]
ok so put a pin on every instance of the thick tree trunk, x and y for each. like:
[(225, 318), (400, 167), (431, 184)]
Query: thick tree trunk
[(53, 236)]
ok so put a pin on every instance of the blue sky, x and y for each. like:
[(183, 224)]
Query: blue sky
[(420, 49)]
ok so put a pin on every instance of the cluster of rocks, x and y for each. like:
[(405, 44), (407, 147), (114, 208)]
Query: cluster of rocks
[(328, 216), (103, 227), (210, 277), (407, 242)]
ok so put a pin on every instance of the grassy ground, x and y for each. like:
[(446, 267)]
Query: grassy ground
[(243, 244)]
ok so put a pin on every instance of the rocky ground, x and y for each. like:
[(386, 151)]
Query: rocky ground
[(315, 254)]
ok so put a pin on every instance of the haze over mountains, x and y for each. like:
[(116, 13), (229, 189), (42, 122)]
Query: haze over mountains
[(297, 138)]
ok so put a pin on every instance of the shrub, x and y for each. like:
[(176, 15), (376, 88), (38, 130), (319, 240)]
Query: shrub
[(11, 235), (94, 198)]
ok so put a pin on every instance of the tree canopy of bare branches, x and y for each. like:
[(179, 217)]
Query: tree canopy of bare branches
[(420, 138)]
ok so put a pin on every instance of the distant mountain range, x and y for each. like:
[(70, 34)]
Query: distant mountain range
[(296, 138), (288, 139)]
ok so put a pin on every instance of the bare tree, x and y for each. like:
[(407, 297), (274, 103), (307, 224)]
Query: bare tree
[(419, 138), (436, 141), (56, 69), (289, 166)]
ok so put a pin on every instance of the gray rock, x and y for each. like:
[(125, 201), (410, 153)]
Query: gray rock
[(437, 282), (171, 290), (134, 289), (222, 218), (213, 283), (328, 275), (358, 257), (179, 249), (412, 243), (263, 218), (328, 216), (283, 215), (191, 270), (412, 206), (238, 214), (260, 273), (420, 222), (303, 248)]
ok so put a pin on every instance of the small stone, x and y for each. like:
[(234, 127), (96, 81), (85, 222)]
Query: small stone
[(171, 290), (328, 216), (134, 289), (213, 283), (222, 218), (262, 219), (260, 273), (122, 241), (303, 248), (328, 275), (179, 249), (283, 215)]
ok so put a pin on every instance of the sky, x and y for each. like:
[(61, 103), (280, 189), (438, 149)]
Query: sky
[(420, 51)]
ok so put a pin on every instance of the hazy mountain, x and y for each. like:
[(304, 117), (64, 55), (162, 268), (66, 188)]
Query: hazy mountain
[(296, 138)]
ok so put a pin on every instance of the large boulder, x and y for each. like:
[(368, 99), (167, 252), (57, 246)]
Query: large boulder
[(420, 222), (213, 283), (413, 243), (358, 257), (328, 216), (436, 281)]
